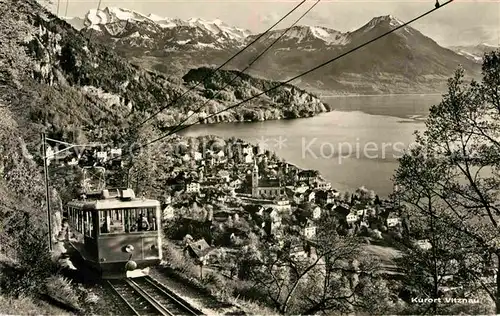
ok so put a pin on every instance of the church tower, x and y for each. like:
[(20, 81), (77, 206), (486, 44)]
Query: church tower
[(255, 180)]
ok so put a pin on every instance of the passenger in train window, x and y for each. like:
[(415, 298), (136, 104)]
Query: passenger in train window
[(105, 223), (104, 228), (133, 227), (116, 224), (127, 224), (154, 224), (142, 223)]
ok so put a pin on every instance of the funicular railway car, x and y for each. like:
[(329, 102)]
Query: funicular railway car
[(116, 234)]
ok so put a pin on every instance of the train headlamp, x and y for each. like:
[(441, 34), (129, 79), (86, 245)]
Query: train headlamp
[(129, 248), (131, 265)]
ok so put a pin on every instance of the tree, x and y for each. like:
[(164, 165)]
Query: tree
[(461, 145), (321, 279), (347, 197), (428, 270)]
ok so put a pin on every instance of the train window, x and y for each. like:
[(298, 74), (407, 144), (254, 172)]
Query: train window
[(152, 219), (89, 224), (112, 221), (79, 221), (141, 219), (84, 222)]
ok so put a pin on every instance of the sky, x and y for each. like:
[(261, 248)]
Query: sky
[(462, 22)]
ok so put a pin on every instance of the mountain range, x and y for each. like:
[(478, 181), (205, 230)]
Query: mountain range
[(405, 61), (474, 52)]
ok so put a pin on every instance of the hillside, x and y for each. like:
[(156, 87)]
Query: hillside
[(405, 61), (285, 102), (80, 88)]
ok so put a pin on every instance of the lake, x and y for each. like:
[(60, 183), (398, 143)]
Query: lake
[(357, 144)]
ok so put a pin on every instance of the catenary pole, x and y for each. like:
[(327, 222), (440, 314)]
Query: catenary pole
[(47, 187)]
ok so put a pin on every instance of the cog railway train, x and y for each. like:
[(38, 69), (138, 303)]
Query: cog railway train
[(114, 233)]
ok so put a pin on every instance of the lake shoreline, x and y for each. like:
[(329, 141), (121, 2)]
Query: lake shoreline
[(334, 143)]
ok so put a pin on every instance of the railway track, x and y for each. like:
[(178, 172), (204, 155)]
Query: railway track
[(146, 297)]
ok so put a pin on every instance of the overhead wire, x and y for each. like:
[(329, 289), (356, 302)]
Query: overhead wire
[(66, 10), (224, 64), (294, 78), (239, 73)]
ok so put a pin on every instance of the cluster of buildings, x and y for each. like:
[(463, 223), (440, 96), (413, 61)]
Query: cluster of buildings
[(273, 195)]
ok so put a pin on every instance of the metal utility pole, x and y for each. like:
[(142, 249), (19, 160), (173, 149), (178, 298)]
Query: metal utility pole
[(47, 187), (68, 146)]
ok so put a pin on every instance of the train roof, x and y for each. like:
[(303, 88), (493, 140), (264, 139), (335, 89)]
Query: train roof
[(114, 200), (106, 204)]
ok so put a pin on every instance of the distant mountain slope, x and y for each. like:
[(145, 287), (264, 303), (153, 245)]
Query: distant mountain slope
[(474, 52), (287, 101), (405, 61)]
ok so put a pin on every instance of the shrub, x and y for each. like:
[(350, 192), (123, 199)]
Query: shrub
[(60, 289), (26, 306), (212, 279), (34, 266)]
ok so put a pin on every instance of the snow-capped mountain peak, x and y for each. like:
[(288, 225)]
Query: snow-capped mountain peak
[(388, 20), (307, 34), (112, 14), (95, 18)]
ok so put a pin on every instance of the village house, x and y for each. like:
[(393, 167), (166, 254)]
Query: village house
[(221, 157), (168, 212), (224, 175), (167, 199), (210, 183), (309, 176), (393, 221), (197, 156), (316, 212), (344, 214), (236, 183), (361, 211), (199, 250), (352, 218), (324, 197), (260, 149), (248, 150), (309, 231), (298, 198), (300, 252), (272, 221), (309, 196), (192, 187), (282, 204), (323, 185), (255, 209), (301, 188), (424, 244), (247, 158)]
